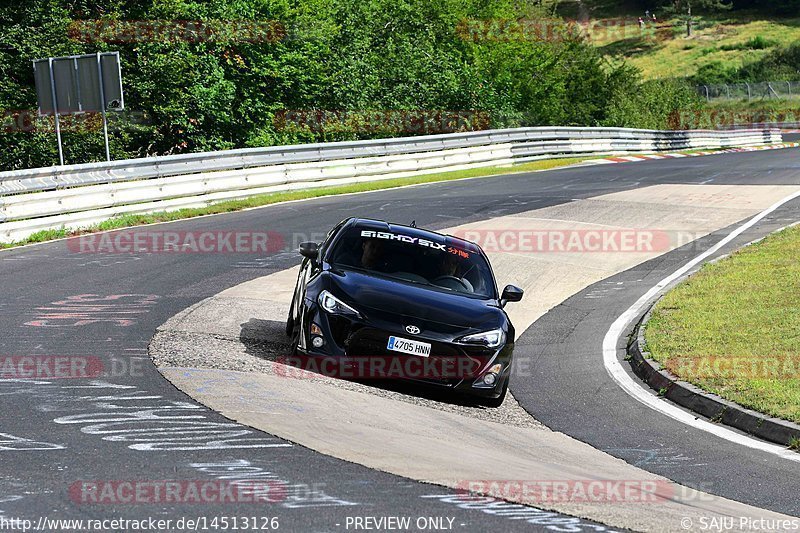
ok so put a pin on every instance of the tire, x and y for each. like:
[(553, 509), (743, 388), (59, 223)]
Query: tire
[(292, 332), (290, 323), (290, 319), (294, 342)]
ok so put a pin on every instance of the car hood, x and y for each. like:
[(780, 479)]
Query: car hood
[(419, 302)]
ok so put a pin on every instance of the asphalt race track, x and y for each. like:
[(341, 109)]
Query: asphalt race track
[(133, 425), (571, 392)]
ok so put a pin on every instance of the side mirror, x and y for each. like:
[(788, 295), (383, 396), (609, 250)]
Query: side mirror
[(511, 293), (309, 250)]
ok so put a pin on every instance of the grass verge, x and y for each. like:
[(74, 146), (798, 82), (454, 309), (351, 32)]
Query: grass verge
[(731, 39), (734, 327), (775, 109), (227, 206)]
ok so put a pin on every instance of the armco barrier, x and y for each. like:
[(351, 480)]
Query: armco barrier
[(79, 195), (768, 125)]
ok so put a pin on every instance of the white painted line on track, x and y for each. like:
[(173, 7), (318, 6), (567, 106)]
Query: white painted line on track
[(637, 390)]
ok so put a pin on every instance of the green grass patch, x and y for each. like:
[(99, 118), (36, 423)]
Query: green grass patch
[(772, 104), (774, 108), (730, 40), (758, 42), (227, 206), (734, 327)]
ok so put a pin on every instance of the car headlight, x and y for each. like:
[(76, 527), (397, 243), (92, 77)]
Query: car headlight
[(334, 305), (490, 339)]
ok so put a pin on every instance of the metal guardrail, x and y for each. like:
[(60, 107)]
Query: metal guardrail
[(79, 195), (154, 167), (763, 125)]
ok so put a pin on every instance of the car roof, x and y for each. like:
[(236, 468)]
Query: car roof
[(411, 231)]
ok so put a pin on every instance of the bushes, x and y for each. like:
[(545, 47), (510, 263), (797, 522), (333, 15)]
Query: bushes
[(716, 72), (759, 42), (782, 64), (652, 104), (351, 57)]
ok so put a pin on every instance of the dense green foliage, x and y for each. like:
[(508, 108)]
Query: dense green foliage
[(196, 94), (782, 64)]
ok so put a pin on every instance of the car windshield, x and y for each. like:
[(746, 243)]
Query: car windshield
[(414, 260)]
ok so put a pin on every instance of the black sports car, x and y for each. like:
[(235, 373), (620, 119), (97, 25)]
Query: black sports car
[(380, 300)]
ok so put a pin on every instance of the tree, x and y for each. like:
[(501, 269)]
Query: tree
[(354, 59)]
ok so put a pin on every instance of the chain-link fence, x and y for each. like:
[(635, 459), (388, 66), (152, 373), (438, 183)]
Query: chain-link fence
[(750, 91)]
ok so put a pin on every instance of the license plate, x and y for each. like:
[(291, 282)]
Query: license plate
[(399, 344)]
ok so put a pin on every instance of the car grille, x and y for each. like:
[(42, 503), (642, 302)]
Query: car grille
[(371, 342)]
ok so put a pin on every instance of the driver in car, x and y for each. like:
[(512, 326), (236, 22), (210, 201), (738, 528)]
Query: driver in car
[(373, 255), (449, 266)]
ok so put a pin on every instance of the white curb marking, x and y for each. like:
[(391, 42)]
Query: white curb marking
[(637, 390)]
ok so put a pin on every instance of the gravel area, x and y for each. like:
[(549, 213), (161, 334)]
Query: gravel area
[(256, 349)]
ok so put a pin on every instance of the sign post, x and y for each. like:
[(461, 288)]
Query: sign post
[(103, 99), (55, 106), (90, 83)]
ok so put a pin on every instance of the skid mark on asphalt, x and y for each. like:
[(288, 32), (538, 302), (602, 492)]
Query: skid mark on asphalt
[(270, 261), (151, 423), (140, 420), (83, 309), (14, 443), (8, 498), (656, 456), (24, 257), (110, 261), (605, 289), (297, 495)]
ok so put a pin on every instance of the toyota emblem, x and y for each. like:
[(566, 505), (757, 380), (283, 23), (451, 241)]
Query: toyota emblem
[(412, 329)]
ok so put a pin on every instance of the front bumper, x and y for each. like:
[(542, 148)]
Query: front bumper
[(354, 348)]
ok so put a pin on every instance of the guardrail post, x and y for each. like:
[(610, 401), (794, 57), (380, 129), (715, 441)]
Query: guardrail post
[(771, 90), (55, 113), (102, 100)]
